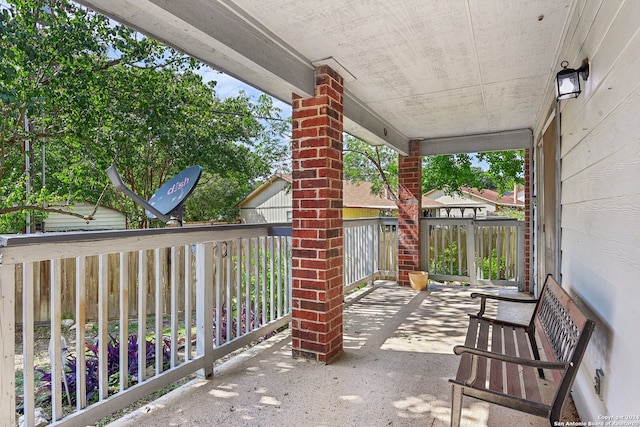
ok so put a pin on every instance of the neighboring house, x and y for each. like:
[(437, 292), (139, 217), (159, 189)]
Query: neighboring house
[(474, 203), (271, 202), (104, 219)]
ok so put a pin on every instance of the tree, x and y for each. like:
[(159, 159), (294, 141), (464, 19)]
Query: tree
[(213, 199), (94, 93), (375, 164), (379, 165)]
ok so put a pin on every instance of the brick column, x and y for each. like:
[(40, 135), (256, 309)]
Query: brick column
[(318, 287), (409, 208), (527, 220)]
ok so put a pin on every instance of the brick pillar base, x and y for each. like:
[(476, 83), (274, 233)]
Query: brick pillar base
[(317, 263), (409, 208)]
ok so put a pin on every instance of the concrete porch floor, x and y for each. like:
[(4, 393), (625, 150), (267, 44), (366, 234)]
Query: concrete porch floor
[(394, 372)]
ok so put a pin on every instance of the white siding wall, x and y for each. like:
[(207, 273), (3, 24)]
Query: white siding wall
[(104, 219), (271, 205), (600, 198)]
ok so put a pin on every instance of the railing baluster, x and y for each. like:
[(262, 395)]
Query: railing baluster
[(218, 295), (103, 325), (238, 267), (272, 276), (228, 283), (187, 302), (27, 343), (124, 320), (279, 275), (142, 314), (174, 306), (81, 296), (247, 283), (264, 266), (55, 347), (159, 312), (256, 284)]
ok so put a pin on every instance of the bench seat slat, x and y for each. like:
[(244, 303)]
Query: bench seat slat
[(529, 377), (496, 379), (482, 344), (465, 361), (513, 377)]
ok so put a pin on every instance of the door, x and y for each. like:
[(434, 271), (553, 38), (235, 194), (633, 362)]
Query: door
[(547, 203)]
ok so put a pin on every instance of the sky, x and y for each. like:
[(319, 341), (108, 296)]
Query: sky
[(228, 86)]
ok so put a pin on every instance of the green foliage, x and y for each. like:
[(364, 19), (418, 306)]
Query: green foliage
[(94, 93), (213, 199), (493, 267), (375, 164), (379, 165), (447, 260), (452, 172)]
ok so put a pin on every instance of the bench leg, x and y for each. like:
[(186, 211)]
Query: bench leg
[(456, 406), (536, 353)]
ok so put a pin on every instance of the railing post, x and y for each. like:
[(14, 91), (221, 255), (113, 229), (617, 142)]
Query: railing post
[(7, 346), (204, 308), (471, 251), (520, 262)]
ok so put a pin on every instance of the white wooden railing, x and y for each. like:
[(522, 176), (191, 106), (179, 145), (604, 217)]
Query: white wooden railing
[(489, 251), (370, 250), (178, 298), (197, 295), (227, 286)]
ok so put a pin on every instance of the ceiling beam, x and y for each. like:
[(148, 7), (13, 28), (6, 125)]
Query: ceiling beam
[(496, 141), (360, 122)]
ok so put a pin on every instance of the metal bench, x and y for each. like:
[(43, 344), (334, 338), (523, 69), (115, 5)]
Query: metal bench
[(499, 358)]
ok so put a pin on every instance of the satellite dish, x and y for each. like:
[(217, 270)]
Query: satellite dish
[(169, 198), (167, 203)]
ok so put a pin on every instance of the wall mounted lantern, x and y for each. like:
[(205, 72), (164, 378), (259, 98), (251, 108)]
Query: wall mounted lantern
[(568, 81)]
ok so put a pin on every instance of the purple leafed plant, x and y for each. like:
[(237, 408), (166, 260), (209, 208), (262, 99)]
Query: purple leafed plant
[(113, 364)]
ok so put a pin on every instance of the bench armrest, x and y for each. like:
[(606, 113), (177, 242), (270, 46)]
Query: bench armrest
[(475, 353), (461, 349), (485, 297)]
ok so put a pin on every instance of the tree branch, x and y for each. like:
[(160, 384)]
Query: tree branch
[(381, 171), (45, 209)]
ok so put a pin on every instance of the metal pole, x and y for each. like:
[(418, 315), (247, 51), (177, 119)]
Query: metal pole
[(27, 168)]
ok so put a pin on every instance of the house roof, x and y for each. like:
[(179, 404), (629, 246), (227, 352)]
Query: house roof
[(494, 197), (355, 195), (478, 197)]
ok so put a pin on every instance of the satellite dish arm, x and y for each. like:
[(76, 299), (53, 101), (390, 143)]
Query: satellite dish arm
[(117, 182)]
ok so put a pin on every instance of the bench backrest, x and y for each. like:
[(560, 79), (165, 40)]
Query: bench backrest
[(563, 331)]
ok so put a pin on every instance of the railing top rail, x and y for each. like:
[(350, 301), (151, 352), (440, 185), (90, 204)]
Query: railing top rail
[(354, 222), (34, 247), (479, 221)]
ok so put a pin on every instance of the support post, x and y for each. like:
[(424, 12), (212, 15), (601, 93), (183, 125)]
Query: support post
[(317, 236), (204, 308), (7, 346), (409, 208)]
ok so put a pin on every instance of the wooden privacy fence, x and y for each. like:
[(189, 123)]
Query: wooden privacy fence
[(370, 252), (271, 252), (42, 282)]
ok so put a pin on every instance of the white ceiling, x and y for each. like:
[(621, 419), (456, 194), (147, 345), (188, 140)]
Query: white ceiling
[(413, 69)]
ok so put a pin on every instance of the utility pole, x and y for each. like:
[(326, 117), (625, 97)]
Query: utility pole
[(27, 170)]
